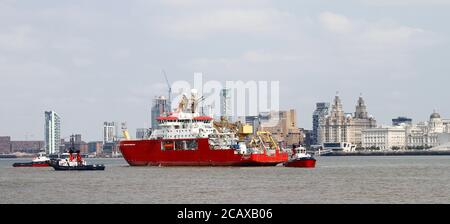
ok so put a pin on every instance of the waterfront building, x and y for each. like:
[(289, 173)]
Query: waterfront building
[(9, 146), (307, 137), (322, 110), (436, 123), (52, 132), (5, 144), (79, 145), (225, 104), (402, 120), (384, 138), (283, 126), (340, 127), (110, 132), (405, 135), (95, 147), (421, 138), (109, 148), (27, 146), (77, 138), (160, 107), (429, 134)]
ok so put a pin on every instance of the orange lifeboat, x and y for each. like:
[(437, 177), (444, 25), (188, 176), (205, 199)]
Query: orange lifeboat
[(168, 146)]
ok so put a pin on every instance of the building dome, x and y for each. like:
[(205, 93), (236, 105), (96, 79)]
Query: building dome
[(435, 116)]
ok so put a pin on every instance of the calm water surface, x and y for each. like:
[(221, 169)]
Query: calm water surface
[(335, 180)]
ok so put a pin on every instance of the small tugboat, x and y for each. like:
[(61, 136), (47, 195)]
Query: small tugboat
[(74, 163), (40, 161), (301, 159)]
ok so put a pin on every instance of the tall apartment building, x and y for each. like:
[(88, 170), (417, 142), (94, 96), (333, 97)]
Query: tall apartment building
[(225, 104), (160, 106), (110, 132), (322, 110), (52, 132)]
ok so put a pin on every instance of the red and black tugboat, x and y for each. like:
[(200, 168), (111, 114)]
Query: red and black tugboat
[(301, 159), (40, 161), (74, 163)]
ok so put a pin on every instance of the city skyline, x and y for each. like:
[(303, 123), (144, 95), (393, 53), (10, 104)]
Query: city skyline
[(138, 129), (101, 61)]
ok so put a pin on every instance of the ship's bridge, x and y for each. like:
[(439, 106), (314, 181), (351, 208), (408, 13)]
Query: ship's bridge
[(184, 126)]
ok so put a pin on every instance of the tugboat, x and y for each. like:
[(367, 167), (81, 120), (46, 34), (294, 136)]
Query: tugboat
[(301, 159), (40, 161), (74, 163)]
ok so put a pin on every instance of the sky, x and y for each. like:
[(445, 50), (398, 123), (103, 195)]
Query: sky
[(100, 60)]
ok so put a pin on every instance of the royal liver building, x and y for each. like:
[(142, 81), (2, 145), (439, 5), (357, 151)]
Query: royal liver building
[(341, 127)]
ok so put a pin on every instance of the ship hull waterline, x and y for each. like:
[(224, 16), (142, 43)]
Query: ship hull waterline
[(301, 163), (79, 168), (32, 164), (150, 153)]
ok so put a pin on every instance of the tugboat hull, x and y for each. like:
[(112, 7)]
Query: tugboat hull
[(79, 168), (32, 164), (301, 163)]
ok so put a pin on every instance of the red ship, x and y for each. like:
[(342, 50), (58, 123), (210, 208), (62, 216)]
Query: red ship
[(185, 138)]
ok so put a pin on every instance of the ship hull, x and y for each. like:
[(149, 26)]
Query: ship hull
[(32, 164), (302, 163), (79, 168), (150, 153)]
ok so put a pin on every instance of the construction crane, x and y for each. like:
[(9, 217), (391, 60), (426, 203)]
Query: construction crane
[(170, 91), (125, 133)]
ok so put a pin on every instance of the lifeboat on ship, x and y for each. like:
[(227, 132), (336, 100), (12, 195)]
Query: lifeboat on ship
[(301, 159), (169, 146)]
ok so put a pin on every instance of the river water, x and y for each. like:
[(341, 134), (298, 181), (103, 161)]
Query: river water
[(336, 180)]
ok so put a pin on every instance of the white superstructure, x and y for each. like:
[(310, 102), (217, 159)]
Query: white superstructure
[(187, 123)]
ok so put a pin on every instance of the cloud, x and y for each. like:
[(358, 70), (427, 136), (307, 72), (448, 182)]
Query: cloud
[(27, 70), (82, 62), (350, 47), (392, 34), (383, 32), (406, 2), (335, 23), (228, 21), (115, 49), (18, 38), (248, 57), (208, 4)]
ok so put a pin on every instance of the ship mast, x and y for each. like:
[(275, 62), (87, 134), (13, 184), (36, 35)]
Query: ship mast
[(169, 102)]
